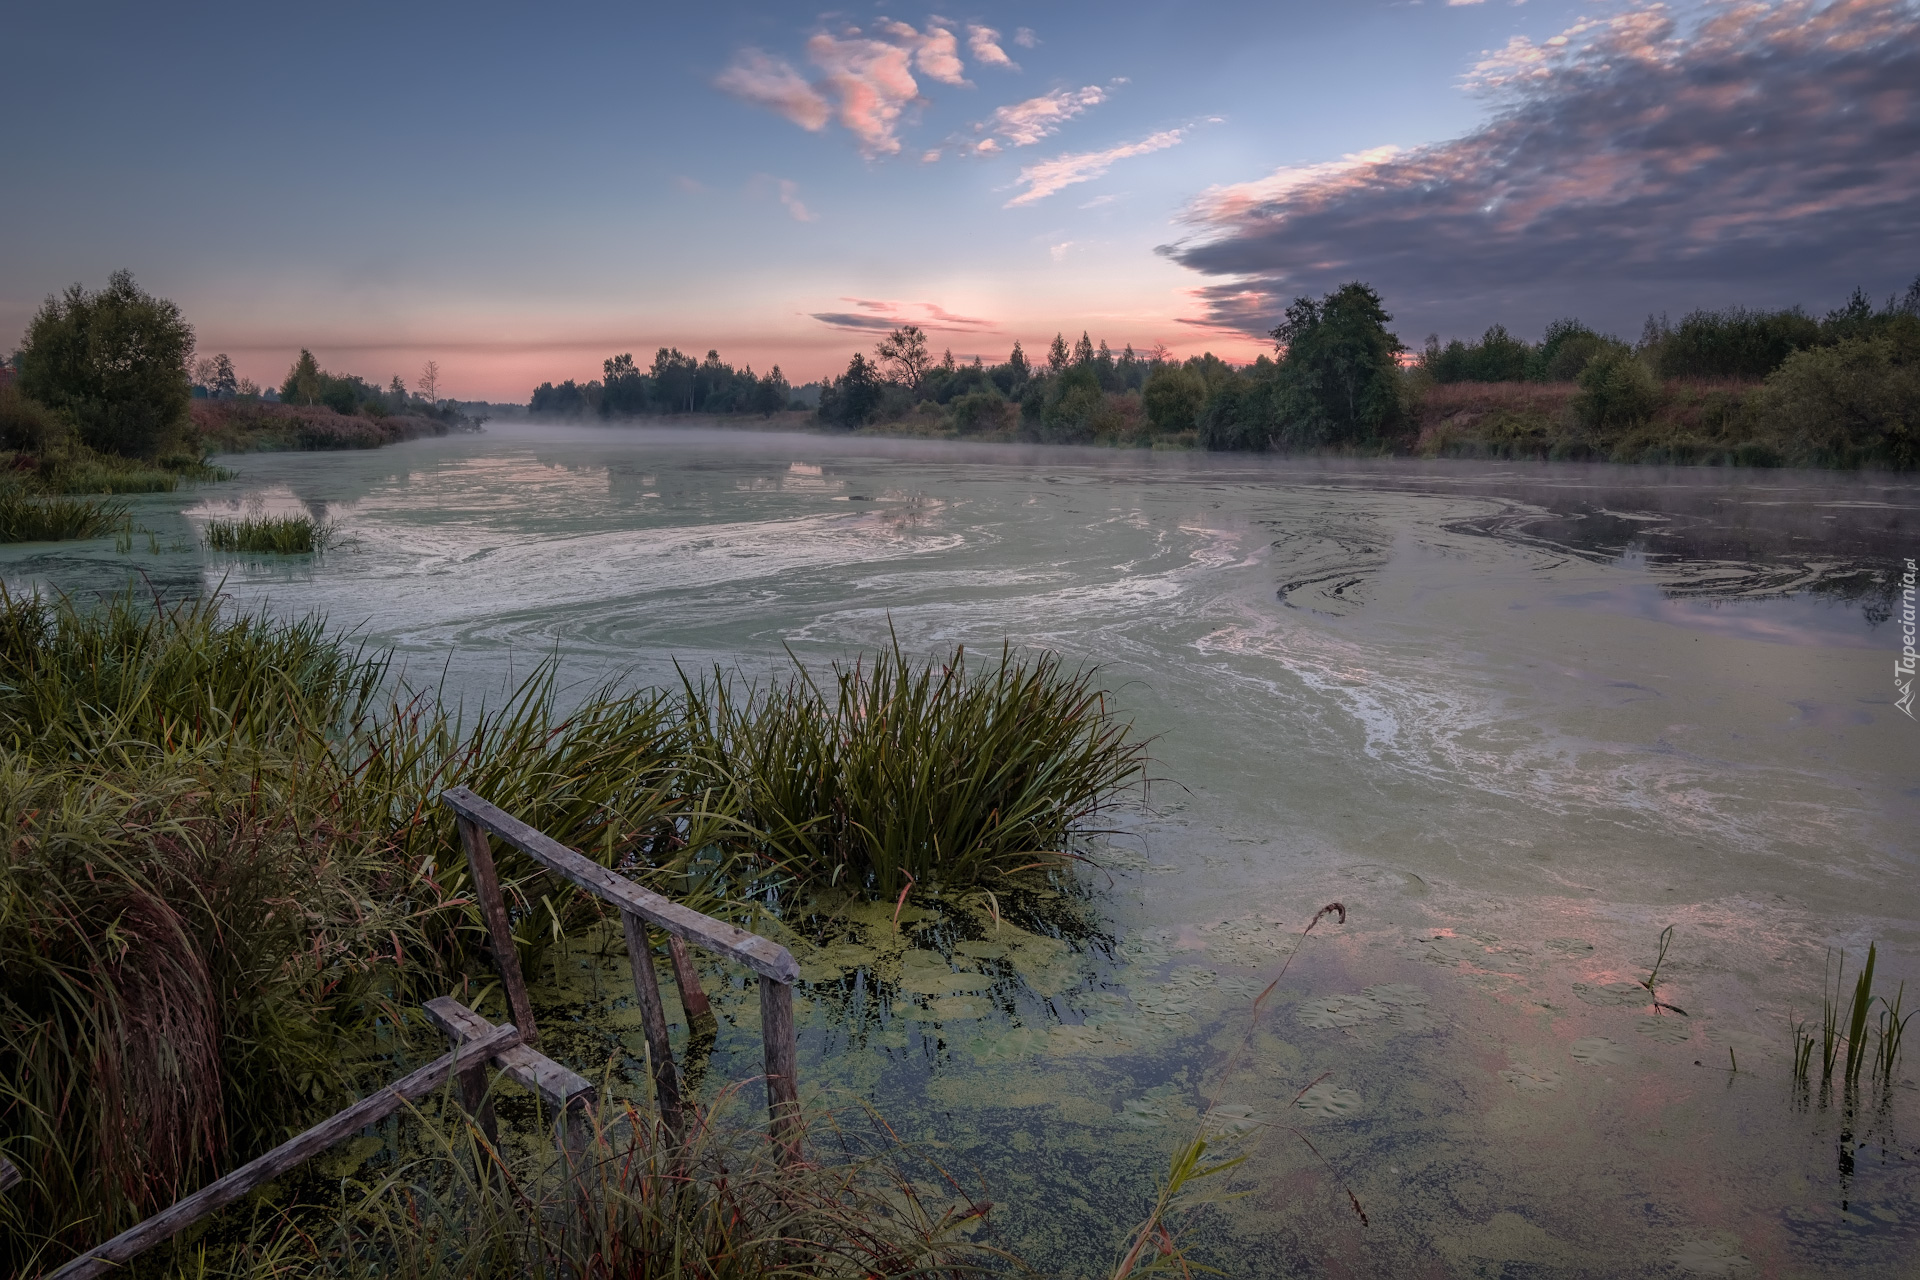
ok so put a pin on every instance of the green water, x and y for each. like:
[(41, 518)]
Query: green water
[(1517, 719)]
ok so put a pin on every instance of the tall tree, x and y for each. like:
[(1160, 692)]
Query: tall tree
[(1057, 354), (853, 397), (673, 378), (115, 363), (904, 352), (1017, 364), (624, 391), (429, 383), (1083, 349), (303, 380), (1340, 364)]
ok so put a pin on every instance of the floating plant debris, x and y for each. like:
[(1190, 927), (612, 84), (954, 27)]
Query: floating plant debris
[(1328, 1101), (1662, 1030), (1531, 1079), (1325, 1012), (1611, 993), (1598, 1051)]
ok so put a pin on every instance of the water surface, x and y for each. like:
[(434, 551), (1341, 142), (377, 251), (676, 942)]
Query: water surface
[(1517, 718)]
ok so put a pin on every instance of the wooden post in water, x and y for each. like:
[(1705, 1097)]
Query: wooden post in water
[(493, 909), (782, 1058), (693, 997), (653, 1019), (640, 907)]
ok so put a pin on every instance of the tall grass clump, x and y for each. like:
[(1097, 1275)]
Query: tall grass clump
[(27, 518), (892, 774), (135, 678), (269, 535)]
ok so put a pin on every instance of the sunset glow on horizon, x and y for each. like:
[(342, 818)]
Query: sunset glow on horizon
[(520, 196)]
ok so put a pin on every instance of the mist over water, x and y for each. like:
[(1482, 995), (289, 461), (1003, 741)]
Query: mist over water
[(1517, 718)]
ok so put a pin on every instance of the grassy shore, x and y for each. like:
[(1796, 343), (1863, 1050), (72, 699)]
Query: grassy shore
[(227, 886)]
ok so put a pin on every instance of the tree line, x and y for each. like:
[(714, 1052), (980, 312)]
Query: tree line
[(675, 383), (1839, 390)]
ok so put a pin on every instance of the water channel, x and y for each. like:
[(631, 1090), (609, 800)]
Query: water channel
[(1517, 718)]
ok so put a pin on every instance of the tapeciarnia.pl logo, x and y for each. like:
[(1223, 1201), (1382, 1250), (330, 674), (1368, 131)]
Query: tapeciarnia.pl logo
[(1903, 666)]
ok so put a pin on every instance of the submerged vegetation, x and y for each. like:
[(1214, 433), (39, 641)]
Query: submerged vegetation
[(226, 882), (269, 535)]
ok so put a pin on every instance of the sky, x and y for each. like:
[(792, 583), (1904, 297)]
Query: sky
[(518, 192)]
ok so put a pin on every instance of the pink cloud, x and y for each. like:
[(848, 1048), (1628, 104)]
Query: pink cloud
[(1025, 123), (1051, 176), (984, 44), (770, 82), (873, 82)]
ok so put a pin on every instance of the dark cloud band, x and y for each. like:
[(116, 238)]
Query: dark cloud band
[(1764, 155)]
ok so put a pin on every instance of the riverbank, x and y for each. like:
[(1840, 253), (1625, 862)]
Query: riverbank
[(1678, 422), (253, 426)]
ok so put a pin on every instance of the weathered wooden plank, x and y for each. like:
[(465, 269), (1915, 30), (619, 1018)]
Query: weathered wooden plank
[(763, 955), (782, 1058), (653, 1019), (693, 997), (560, 1087), (493, 909), (250, 1176), (9, 1174)]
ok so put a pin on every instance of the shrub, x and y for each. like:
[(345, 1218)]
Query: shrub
[(27, 425), (114, 363), (1497, 357), (1174, 395), (979, 412), (1073, 403), (1565, 349), (1854, 403), (1616, 390), (1735, 343)]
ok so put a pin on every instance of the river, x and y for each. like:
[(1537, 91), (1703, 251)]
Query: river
[(1517, 718)]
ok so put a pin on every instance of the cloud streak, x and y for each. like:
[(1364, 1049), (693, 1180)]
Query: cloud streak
[(1024, 123), (1767, 153), (1049, 177), (876, 315)]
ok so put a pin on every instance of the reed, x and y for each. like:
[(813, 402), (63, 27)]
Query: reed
[(1848, 1019), (1857, 1013), (895, 774), (269, 535), (26, 517), (1892, 1030)]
